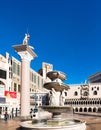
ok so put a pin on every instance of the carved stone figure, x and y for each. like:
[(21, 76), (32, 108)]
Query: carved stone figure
[(54, 98), (26, 39), (62, 98)]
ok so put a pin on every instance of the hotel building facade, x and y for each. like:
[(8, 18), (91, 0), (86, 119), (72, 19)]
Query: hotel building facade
[(10, 84), (82, 97)]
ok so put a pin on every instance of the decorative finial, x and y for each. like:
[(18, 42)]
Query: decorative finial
[(26, 39)]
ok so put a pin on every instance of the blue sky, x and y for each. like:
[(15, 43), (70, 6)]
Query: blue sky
[(65, 33)]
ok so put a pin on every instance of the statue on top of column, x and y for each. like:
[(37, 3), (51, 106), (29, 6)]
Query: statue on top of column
[(26, 39)]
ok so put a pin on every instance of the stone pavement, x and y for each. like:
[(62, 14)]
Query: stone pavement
[(93, 121), (10, 124)]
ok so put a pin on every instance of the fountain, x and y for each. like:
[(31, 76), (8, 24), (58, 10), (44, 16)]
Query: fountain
[(57, 90)]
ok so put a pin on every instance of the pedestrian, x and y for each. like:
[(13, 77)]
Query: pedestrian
[(5, 116)]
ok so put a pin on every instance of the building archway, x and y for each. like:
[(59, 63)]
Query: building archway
[(80, 110), (93, 102), (85, 109), (90, 109), (76, 109), (98, 102), (94, 109), (99, 109)]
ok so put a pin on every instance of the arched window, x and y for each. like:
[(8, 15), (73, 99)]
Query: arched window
[(85, 93), (75, 93), (95, 93), (81, 102), (65, 93), (97, 88)]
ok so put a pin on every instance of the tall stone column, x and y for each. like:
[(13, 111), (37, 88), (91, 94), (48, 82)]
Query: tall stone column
[(25, 83), (27, 54)]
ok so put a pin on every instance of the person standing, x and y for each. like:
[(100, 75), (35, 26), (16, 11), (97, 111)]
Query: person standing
[(6, 116)]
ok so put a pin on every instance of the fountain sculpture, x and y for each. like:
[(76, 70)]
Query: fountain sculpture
[(57, 90)]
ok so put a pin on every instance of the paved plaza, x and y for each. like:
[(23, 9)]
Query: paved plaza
[(11, 124), (93, 123)]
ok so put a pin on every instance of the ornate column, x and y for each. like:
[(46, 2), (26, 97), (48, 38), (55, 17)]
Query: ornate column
[(27, 54)]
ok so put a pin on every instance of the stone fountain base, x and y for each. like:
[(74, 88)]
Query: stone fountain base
[(56, 123), (72, 124)]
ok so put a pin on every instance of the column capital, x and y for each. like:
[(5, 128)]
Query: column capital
[(25, 55), (25, 50)]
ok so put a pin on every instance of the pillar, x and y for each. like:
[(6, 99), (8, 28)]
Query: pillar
[(27, 54)]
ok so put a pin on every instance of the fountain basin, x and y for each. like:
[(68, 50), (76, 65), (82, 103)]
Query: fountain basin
[(55, 123), (70, 124), (57, 86), (56, 74)]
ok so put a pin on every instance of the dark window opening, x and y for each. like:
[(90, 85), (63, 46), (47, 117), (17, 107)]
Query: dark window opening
[(3, 74)]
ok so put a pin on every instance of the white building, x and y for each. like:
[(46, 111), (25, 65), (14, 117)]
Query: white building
[(84, 97)]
